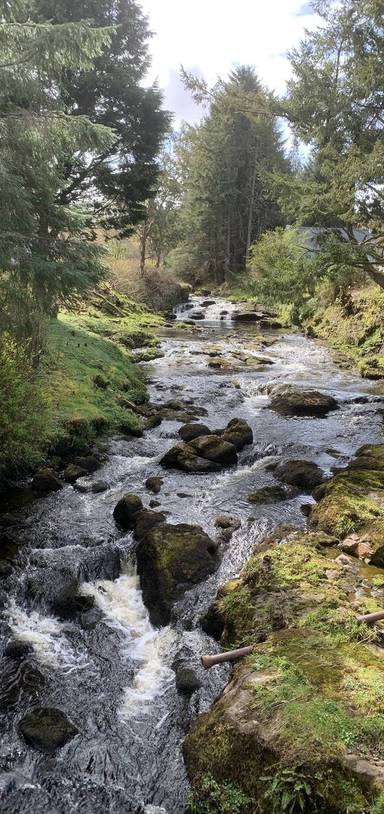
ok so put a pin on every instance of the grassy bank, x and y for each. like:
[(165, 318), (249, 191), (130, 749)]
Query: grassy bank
[(300, 727), (353, 325), (87, 376)]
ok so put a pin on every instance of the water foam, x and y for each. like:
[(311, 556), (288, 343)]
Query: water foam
[(121, 601), (46, 636)]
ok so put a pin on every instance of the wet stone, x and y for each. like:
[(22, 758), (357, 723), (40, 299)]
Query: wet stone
[(47, 729)]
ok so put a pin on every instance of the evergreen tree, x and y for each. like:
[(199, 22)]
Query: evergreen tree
[(44, 254), (122, 175), (335, 104), (227, 204)]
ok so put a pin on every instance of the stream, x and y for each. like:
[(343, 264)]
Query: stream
[(108, 669)]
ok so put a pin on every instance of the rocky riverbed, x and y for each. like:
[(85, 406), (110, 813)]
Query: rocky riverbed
[(100, 668)]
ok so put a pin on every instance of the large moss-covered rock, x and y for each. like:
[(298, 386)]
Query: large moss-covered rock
[(184, 457), (305, 711), (215, 449), (171, 559), (291, 401), (190, 431), (354, 498), (46, 729)]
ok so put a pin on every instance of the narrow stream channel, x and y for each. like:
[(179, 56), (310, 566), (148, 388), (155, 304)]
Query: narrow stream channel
[(111, 672)]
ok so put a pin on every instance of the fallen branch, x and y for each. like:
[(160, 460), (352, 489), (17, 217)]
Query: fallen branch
[(371, 617), (229, 655)]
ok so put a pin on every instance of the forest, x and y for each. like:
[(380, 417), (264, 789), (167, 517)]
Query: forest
[(154, 273)]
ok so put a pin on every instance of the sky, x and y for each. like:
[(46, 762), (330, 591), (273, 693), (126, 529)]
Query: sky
[(211, 37)]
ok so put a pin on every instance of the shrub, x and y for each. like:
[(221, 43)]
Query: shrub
[(22, 409)]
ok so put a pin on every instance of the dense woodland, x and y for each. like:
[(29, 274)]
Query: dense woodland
[(90, 161)]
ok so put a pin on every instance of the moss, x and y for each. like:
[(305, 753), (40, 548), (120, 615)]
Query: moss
[(354, 328), (310, 694), (350, 501), (88, 366)]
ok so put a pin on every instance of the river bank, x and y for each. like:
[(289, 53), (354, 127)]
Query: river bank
[(76, 636)]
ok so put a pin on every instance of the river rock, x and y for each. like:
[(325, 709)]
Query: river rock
[(238, 432), (154, 484), (183, 457), (196, 315), (191, 431), (126, 510), (207, 303), (303, 474), (170, 560), (72, 472), (46, 480), (187, 665), (245, 316), (268, 494), (215, 449), (146, 520), (291, 401), (227, 521), (46, 729), (88, 462), (99, 486)]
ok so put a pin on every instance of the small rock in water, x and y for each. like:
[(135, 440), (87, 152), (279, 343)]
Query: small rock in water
[(227, 521), (47, 729), (154, 484), (126, 510), (45, 481), (268, 494), (99, 486)]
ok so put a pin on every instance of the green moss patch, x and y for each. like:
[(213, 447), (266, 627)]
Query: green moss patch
[(303, 716)]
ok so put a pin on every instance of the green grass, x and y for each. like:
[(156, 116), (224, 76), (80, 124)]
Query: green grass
[(89, 370), (85, 380)]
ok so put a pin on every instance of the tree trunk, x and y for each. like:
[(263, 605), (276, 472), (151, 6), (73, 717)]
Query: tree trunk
[(250, 212), (143, 250)]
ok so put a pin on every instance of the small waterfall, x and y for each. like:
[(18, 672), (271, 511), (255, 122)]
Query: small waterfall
[(121, 602)]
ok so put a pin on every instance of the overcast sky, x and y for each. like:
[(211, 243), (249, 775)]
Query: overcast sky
[(210, 37)]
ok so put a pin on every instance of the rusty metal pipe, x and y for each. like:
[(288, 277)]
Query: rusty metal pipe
[(229, 655), (371, 617)]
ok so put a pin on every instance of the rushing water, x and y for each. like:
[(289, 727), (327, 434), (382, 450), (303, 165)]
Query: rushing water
[(109, 670)]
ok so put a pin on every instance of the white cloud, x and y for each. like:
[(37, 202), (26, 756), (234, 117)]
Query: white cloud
[(214, 36)]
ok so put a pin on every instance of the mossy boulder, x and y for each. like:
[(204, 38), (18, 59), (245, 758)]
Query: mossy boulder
[(215, 449), (305, 711), (184, 457), (354, 498), (46, 729), (73, 472), (268, 494), (191, 430), (126, 510), (238, 432), (288, 400), (170, 560), (45, 481), (304, 475)]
